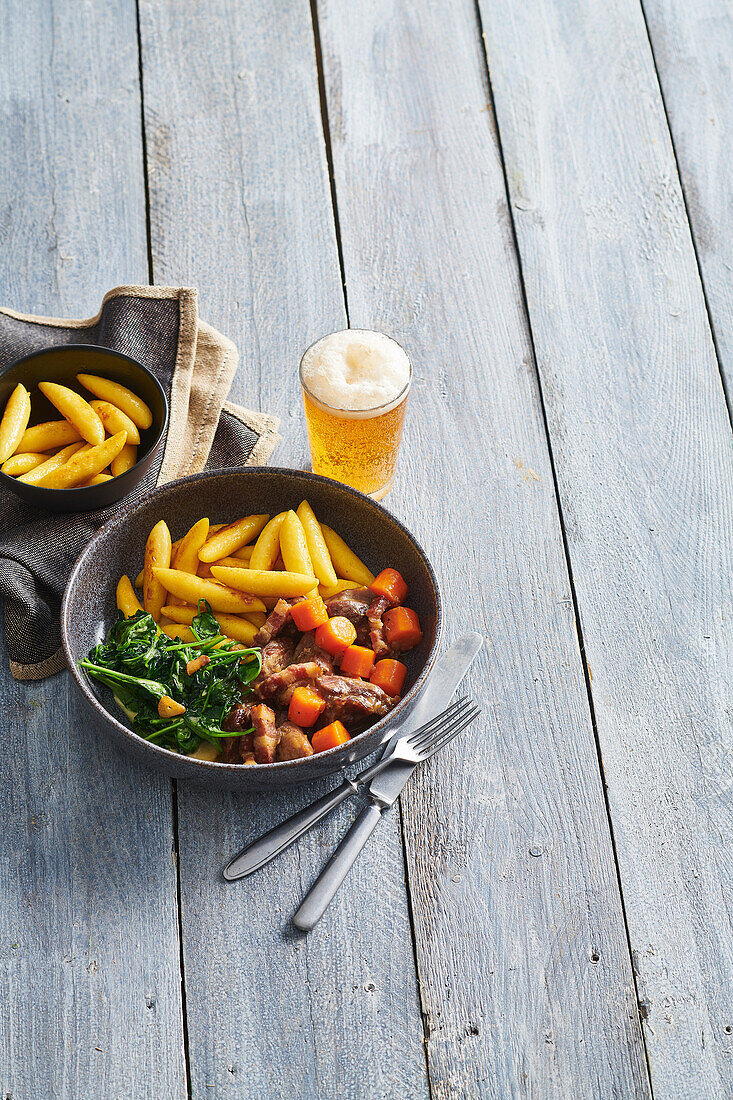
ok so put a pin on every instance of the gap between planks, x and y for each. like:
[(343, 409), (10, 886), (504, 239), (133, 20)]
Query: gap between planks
[(187, 1081), (365, 306), (337, 228), (561, 515), (327, 145), (173, 263), (690, 223)]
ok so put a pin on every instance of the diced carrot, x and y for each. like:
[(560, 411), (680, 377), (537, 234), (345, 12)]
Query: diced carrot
[(402, 628), (390, 583), (305, 706), (308, 614), (357, 661), (389, 676), (330, 736), (336, 635)]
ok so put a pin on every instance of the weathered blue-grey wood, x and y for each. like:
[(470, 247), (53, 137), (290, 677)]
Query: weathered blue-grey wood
[(72, 206), (644, 459), (89, 957), (692, 41), (240, 207), (525, 973)]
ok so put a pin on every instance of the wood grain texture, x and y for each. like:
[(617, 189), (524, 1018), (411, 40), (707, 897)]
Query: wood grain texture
[(240, 206), (89, 959), (72, 206), (525, 974), (693, 50), (644, 459)]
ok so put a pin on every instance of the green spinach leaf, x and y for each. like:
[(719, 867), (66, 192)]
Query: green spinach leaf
[(140, 665)]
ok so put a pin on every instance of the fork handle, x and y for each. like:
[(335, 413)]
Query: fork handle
[(321, 893), (266, 847)]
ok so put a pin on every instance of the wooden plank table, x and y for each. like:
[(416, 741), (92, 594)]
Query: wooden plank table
[(535, 199)]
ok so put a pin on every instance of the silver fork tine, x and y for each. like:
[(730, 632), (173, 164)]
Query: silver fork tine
[(447, 736), (438, 719), (421, 744), (444, 716), (452, 711), (425, 733)]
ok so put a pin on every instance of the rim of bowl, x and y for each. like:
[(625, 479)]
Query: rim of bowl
[(167, 754), (115, 355)]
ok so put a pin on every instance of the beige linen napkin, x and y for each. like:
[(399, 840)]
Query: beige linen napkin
[(195, 364)]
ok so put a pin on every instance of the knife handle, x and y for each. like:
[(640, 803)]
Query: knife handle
[(272, 843), (321, 893)]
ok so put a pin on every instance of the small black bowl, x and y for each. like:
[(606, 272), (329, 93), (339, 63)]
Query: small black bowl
[(62, 364), (88, 609)]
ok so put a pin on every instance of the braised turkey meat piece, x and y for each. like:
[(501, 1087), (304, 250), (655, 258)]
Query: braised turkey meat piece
[(306, 647), (238, 718), (236, 749), (307, 650), (294, 744), (348, 699), (376, 627), (276, 655), (352, 604)]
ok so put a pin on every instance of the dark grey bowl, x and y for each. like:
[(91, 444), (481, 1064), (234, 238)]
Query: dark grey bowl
[(88, 608), (62, 364)]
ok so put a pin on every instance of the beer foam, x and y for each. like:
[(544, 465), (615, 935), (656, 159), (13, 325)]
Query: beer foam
[(356, 371)]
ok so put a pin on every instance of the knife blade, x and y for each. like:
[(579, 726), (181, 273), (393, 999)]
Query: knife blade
[(442, 682)]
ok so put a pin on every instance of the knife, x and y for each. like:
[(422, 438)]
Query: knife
[(441, 685), (384, 790)]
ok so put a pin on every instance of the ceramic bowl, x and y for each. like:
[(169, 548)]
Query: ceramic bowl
[(377, 537), (62, 364)]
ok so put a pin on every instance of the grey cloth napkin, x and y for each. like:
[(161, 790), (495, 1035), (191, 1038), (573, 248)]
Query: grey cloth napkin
[(160, 327)]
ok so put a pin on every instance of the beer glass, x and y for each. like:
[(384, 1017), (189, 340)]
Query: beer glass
[(358, 447)]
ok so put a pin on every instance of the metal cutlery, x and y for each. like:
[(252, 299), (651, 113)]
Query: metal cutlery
[(262, 850), (442, 682), (384, 790)]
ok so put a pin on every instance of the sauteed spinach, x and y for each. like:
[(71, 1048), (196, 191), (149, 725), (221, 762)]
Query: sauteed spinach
[(142, 666)]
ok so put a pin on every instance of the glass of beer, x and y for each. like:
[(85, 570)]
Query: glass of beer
[(355, 386)]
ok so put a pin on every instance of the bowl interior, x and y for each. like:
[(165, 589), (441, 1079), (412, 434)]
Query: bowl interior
[(62, 364), (380, 540)]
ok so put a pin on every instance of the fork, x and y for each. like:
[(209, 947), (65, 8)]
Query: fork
[(381, 797), (410, 749)]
